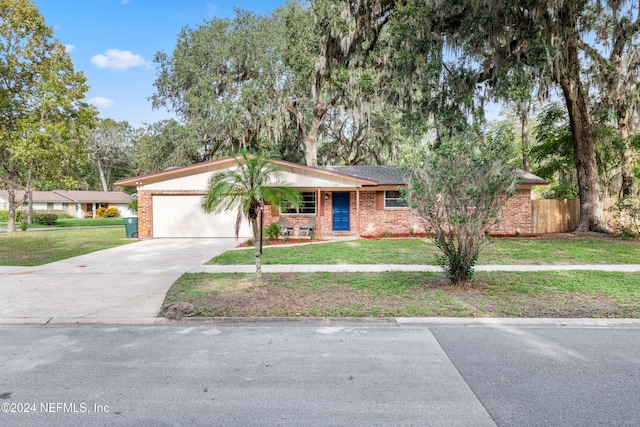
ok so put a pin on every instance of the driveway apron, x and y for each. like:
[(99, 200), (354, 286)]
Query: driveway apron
[(126, 282)]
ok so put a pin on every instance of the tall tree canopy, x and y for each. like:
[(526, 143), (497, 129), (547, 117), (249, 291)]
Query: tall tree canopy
[(221, 80), (244, 83), (109, 142), (163, 145), (42, 118), (486, 39)]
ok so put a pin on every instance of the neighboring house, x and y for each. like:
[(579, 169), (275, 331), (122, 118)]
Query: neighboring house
[(343, 200), (78, 203)]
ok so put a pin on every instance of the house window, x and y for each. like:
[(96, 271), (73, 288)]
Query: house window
[(49, 206), (65, 206), (308, 205), (393, 199)]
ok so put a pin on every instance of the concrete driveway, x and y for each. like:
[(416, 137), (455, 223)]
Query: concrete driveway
[(127, 282)]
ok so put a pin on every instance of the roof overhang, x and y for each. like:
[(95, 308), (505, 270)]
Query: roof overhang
[(214, 165)]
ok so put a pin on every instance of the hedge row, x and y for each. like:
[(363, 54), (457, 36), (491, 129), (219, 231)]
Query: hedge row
[(4, 215)]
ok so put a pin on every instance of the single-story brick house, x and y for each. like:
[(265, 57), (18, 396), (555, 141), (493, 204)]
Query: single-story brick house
[(342, 200), (78, 203)]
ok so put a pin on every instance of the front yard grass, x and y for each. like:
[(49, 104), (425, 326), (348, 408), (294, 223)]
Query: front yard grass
[(42, 247), (567, 250), (74, 222), (411, 294)]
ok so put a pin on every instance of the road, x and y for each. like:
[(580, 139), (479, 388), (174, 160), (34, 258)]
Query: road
[(319, 373)]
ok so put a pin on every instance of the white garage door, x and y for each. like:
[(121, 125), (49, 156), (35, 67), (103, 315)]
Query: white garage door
[(182, 216)]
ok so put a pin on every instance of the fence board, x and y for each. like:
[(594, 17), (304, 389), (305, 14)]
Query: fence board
[(559, 216)]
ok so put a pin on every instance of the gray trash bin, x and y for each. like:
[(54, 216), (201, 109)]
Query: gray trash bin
[(131, 227)]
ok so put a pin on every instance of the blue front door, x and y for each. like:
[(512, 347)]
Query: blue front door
[(341, 212)]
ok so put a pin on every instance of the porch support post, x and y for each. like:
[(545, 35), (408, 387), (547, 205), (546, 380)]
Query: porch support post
[(319, 204), (357, 212)]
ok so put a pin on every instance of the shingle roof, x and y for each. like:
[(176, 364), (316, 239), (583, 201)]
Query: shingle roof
[(384, 175), (390, 175), (38, 196), (95, 196)]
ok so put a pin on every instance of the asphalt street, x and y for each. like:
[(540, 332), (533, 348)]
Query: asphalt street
[(318, 372)]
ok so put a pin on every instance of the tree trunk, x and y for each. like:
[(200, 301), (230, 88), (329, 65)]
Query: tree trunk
[(628, 178), (11, 221), (311, 143), (29, 206), (257, 244), (105, 187), (524, 119), (591, 212)]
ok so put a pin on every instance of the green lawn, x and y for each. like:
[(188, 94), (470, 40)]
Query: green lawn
[(559, 294), (74, 222), (423, 251), (41, 247), (88, 222)]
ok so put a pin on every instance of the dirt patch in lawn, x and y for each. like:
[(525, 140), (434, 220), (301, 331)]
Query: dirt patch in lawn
[(338, 295)]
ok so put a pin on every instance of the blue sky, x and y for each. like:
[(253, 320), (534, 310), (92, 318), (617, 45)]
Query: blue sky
[(113, 43)]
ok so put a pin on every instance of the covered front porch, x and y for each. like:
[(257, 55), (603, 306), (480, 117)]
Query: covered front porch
[(329, 213)]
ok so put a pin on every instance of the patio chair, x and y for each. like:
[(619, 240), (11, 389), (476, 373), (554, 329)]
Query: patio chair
[(305, 231), (285, 229)]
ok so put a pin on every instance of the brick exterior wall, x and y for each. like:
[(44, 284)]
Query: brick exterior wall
[(374, 219), (516, 215)]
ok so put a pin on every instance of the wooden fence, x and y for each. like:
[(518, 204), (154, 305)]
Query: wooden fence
[(559, 216)]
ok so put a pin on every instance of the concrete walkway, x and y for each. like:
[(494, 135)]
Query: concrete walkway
[(126, 283)]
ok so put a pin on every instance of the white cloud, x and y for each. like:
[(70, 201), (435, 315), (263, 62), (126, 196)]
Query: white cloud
[(118, 60), (99, 101), (69, 48)]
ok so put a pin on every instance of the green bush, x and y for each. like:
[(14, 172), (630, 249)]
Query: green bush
[(45, 219), (111, 213), (272, 231), (4, 216), (133, 205), (59, 212)]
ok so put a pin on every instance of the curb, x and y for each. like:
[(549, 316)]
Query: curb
[(566, 323), (67, 321)]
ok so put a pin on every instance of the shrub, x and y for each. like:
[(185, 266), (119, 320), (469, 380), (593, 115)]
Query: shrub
[(45, 219), (100, 212), (4, 216), (111, 213), (272, 231), (133, 205), (459, 189)]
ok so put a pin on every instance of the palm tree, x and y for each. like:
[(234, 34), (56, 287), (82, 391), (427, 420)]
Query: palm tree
[(247, 188)]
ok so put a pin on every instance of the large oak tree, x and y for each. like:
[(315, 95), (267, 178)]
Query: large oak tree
[(43, 120), (487, 38)]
